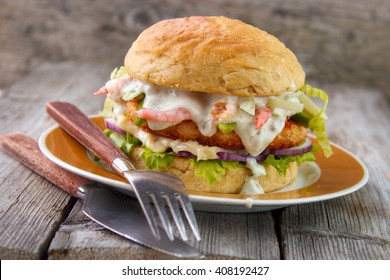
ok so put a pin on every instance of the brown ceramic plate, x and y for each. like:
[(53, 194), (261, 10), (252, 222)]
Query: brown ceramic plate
[(341, 174)]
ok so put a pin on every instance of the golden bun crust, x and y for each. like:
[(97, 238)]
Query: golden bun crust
[(232, 182), (214, 55)]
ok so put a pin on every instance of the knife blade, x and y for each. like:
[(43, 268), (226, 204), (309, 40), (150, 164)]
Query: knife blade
[(100, 204)]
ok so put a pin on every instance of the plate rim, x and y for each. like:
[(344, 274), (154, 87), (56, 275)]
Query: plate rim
[(202, 199)]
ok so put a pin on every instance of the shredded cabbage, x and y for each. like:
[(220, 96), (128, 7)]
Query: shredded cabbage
[(249, 106), (131, 94), (311, 107), (108, 107), (317, 122), (118, 73), (293, 107)]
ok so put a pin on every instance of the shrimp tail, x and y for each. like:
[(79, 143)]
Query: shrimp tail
[(101, 91)]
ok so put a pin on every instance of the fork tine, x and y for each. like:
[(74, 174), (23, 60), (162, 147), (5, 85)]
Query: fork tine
[(175, 211), (190, 215), (144, 199), (170, 188), (162, 212)]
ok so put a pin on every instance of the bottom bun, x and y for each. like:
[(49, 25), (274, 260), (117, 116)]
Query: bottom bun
[(231, 182)]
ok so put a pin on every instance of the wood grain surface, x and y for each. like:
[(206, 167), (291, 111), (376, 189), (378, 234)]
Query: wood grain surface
[(31, 208), (25, 149), (40, 221)]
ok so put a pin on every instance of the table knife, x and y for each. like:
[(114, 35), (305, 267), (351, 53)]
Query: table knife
[(99, 203)]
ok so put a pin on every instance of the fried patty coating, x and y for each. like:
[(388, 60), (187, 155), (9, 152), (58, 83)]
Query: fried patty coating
[(291, 135)]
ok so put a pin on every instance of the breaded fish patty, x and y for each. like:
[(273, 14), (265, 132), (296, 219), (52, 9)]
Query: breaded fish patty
[(291, 135)]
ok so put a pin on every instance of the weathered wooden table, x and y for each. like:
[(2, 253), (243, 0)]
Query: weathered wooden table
[(39, 221)]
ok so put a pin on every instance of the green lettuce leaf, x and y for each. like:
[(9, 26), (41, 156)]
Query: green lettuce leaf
[(154, 161), (124, 142), (317, 122), (157, 161), (133, 140), (212, 170), (280, 163)]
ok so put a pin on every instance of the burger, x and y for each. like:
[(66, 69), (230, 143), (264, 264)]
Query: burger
[(219, 103)]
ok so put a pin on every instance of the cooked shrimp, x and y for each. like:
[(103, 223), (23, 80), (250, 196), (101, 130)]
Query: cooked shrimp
[(223, 110), (262, 116), (175, 115), (114, 88)]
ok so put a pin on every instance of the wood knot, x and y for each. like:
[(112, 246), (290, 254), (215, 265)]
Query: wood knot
[(141, 17)]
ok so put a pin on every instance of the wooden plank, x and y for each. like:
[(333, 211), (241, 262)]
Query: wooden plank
[(31, 208), (355, 226), (223, 238), (81, 238), (30, 212), (66, 81), (242, 236)]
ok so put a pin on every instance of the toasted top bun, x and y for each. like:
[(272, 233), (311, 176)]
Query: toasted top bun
[(214, 55)]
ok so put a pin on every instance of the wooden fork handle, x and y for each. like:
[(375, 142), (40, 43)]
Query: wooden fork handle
[(25, 149), (84, 131)]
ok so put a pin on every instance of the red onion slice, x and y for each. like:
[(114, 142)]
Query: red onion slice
[(186, 154), (298, 150), (240, 157), (111, 125), (231, 156)]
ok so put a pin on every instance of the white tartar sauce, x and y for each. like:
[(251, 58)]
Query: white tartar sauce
[(251, 184), (200, 106)]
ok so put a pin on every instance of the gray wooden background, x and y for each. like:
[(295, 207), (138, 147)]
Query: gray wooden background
[(337, 41)]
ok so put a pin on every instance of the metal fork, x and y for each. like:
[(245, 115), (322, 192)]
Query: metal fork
[(149, 186), (160, 188)]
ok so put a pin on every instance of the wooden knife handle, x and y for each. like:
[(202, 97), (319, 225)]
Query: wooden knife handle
[(25, 149), (84, 131)]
